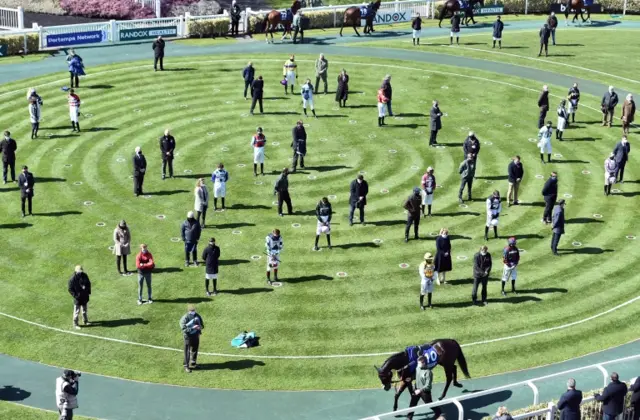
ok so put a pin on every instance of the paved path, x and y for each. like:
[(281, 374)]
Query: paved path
[(32, 383)]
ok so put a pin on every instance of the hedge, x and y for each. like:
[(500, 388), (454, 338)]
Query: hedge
[(208, 28), (15, 43)]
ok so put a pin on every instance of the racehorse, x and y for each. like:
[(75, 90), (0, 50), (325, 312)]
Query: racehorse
[(444, 352), (352, 17), (578, 6), (275, 17), (453, 6)]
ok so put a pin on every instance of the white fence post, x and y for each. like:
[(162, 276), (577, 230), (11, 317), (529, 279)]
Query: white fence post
[(604, 374), (187, 16), (246, 19), (624, 8), (526, 7), (460, 409), (158, 9), (533, 386), (113, 29), (21, 17), (551, 415)]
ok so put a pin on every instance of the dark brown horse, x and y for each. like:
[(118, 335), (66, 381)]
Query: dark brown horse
[(447, 353), (579, 6), (274, 18), (450, 7), (352, 17)]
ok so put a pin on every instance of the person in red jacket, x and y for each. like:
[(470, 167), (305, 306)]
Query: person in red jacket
[(145, 265)]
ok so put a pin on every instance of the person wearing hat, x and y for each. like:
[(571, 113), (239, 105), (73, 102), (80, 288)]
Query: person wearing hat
[(544, 142), (494, 207), (428, 187), (481, 270), (498, 27), (610, 170), (443, 260), (201, 201), (342, 91), (219, 177), (510, 258), (167, 146), (289, 72), (76, 68), (74, 109), (122, 246), (427, 275), (281, 189), (563, 117), (236, 15), (211, 258), (8, 147), (299, 145), (416, 25), (26, 182), (574, 99), (257, 93), (557, 225), (258, 141), (543, 105), (412, 205), (248, 75), (382, 104), (467, 171), (190, 232), (274, 245), (191, 325), (307, 98), (79, 288), (388, 92), (139, 169), (323, 214), (67, 389), (145, 265), (435, 123)]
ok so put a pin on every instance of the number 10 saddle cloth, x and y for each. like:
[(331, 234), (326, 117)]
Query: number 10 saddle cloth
[(414, 352)]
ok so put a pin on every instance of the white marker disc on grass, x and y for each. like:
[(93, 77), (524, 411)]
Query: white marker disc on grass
[(175, 239), (77, 183), (377, 241), (101, 224), (241, 165), (403, 265), (256, 257), (332, 197), (237, 232), (576, 243), (392, 151), (160, 217), (88, 203), (188, 171), (295, 225), (597, 216), (353, 122), (341, 274), (461, 257), (384, 191), (323, 139)]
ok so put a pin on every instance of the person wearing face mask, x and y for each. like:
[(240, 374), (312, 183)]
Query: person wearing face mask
[(211, 258), (544, 142), (412, 205), (79, 288), (422, 391), (610, 171), (471, 145), (67, 388), (428, 187), (467, 171), (494, 207), (139, 169), (191, 325), (443, 256), (145, 265), (510, 258), (481, 270)]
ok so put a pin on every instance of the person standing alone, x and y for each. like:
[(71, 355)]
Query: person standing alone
[(467, 171), (257, 92), (511, 259), (498, 27), (258, 141), (158, 53), (544, 141), (342, 91), (236, 15), (428, 186), (382, 104), (412, 206), (612, 398), (190, 232), (545, 33), (219, 177), (515, 172), (307, 98), (610, 172), (248, 74), (201, 202), (388, 92), (80, 289), (299, 145), (455, 29), (550, 194), (416, 25), (211, 258), (443, 261), (552, 22), (435, 123), (322, 65), (122, 246), (34, 117), (26, 182), (289, 70), (167, 146), (139, 169), (628, 113), (557, 226), (191, 325), (145, 265), (8, 147), (427, 272), (323, 214), (74, 110), (281, 189), (481, 270), (76, 68), (608, 105), (574, 100), (358, 191), (67, 388), (543, 105), (494, 207)]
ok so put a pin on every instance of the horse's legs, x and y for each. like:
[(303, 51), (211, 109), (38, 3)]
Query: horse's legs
[(582, 15), (447, 372), (342, 27), (356, 29), (455, 377), (399, 392), (441, 18)]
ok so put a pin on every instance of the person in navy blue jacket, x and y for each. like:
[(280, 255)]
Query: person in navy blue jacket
[(570, 402), (612, 398), (248, 74), (498, 27), (635, 398)]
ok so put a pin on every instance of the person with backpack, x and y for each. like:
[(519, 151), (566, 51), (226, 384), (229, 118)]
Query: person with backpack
[(307, 97)]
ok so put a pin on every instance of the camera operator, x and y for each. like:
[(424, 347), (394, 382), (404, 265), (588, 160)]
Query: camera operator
[(67, 394)]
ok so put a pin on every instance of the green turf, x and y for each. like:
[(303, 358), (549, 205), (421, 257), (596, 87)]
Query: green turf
[(307, 315), (588, 49), (18, 411)]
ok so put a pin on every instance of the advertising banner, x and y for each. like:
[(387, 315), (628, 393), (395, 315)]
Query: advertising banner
[(77, 38), (147, 33), (392, 17), (485, 11), (560, 8)]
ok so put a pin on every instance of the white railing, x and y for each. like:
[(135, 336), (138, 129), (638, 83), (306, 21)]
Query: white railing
[(11, 18), (529, 383), (151, 4)]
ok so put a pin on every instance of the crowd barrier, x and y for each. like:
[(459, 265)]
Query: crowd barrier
[(11, 18)]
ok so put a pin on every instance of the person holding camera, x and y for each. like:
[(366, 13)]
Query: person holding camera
[(191, 325), (67, 388)]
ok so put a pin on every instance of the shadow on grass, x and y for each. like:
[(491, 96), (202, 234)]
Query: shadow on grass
[(168, 192), (510, 299), (248, 207), (193, 300), (305, 279), (114, 323), (327, 168), (41, 180), (10, 393), (15, 225), (246, 291), (103, 86), (231, 365), (233, 225), (474, 408), (586, 250), (387, 222), (233, 262), (167, 270), (544, 290), (494, 177), (192, 176), (356, 245), (58, 213), (454, 214), (582, 220)]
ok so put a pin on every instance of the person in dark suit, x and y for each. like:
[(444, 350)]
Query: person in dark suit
[(570, 402), (443, 256), (8, 147), (435, 123), (455, 29), (211, 258), (281, 189), (299, 145), (498, 27), (467, 171), (79, 287), (358, 191), (248, 74), (635, 398), (26, 182), (256, 94), (167, 146), (621, 152), (236, 15), (471, 145), (608, 106), (481, 270), (545, 33), (139, 169), (158, 53), (612, 398), (342, 91), (543, 105), (557, 226), (515, 172), (413, 205), (550, 194)]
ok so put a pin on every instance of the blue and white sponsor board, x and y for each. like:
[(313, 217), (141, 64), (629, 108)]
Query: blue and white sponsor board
[(76, 38)]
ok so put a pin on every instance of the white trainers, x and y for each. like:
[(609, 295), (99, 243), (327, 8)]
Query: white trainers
[(139, 302), (150, 301), (76, 326)]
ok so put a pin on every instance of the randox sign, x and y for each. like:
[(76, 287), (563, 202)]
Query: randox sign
[(147, 33), (392, 17)]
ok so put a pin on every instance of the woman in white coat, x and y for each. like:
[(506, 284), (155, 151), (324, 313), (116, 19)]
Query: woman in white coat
[(201, 204), (544, 141)]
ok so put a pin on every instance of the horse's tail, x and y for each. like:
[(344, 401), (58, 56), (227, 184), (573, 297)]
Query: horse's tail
[(462, 361)]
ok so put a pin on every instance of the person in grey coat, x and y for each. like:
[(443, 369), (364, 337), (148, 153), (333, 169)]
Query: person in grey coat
[(557, 225), (467, 171), (435, 123), (621, 152), (322, 65), (608, 105), (190, 232), (498, 27)]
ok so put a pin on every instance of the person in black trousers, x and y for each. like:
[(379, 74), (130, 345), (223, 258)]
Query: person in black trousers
[(236, 15), (388, 92), (167, 146), (435, 123), (26, 182), (612, 398), (139, 169), (211, 258), (545, 34), (413, 205), (550, 194), (558, 226), (158, 53), (635, 398), (248, 74), (621, 156), (543, 105), (281, 188), (481, 270), (299, 145), (256, 94), (8, 147), (191, 325), (569, 402), (358, 191), (190, 231)]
